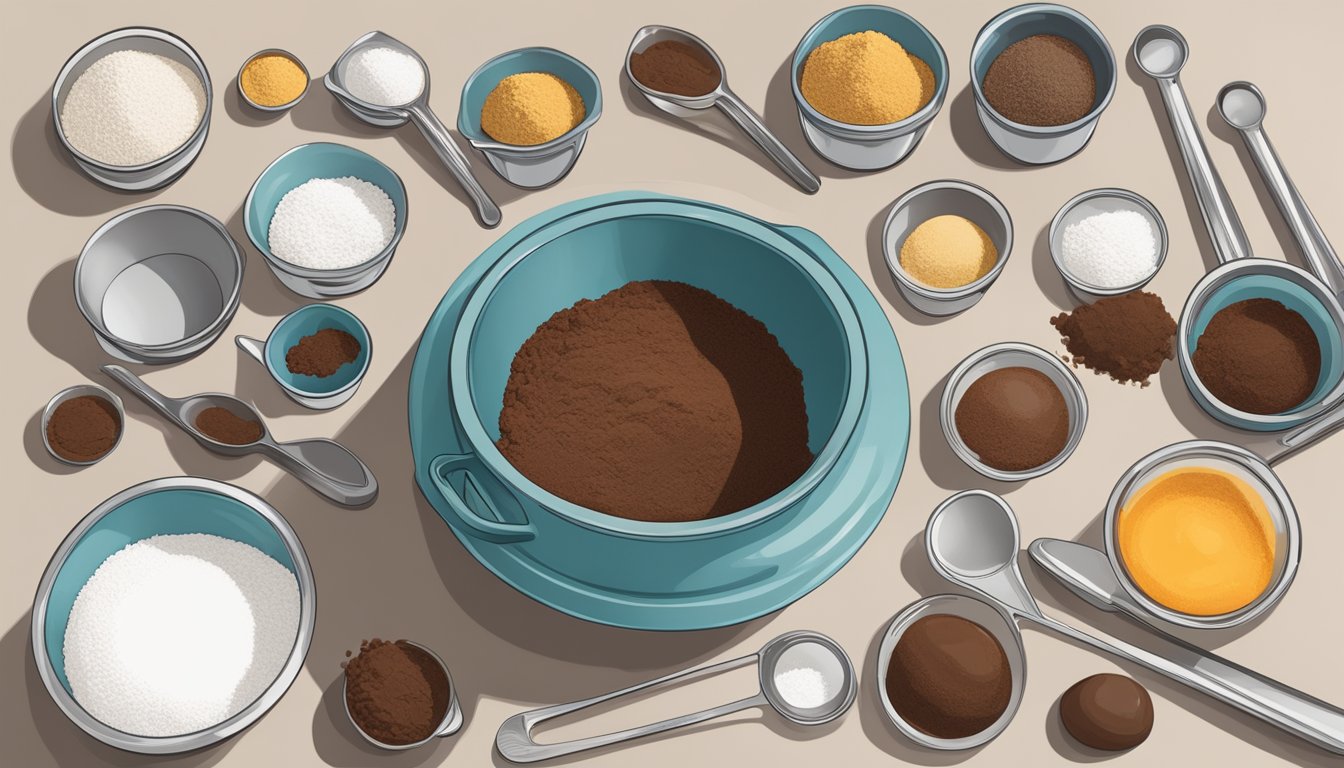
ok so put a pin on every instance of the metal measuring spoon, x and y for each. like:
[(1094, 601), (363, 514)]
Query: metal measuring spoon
[(972, 540), (326, 466), (817, 651), (416, 111), (721, 97), (1242, 106)]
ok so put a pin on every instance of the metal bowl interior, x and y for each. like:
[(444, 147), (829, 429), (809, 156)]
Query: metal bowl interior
[(1240, 463), (992, 620), (150, 509), (1011, 355), (83, 390), (1098, 201), (939, 198)]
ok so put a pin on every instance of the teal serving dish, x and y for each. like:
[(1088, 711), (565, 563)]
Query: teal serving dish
[(539, 165), (661, 576), (174, 505), (317, 392), (320, 160)]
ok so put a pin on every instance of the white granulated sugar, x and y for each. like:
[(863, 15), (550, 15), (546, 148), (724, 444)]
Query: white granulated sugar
[(132, 107), (332, 223), (803, 687), (173, 634), (384, 76), (1109, 250)]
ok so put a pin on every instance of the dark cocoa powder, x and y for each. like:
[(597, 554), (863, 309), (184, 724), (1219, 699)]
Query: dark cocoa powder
[(224, 426), (675, 67), (658, 401), (83, 428), (323, 353), (1041, 80), (1127, 336), (1014, 419), (396, 693), (949, 677), (1258, 356)]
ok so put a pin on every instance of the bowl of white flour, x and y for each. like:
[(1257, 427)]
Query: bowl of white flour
[(173, 616)]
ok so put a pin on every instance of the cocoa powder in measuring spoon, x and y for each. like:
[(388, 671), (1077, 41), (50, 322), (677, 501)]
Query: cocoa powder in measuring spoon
[(224, 426), (671, 66)]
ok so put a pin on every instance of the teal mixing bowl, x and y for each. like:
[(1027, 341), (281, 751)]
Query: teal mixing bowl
[(175, 505)]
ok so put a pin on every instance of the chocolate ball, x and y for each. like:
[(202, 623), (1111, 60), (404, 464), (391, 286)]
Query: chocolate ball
[(1108, 712)]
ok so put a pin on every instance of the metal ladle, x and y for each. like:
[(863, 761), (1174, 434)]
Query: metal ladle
[(324, 465), (1242, 106), (416, 111), (972, 540), (788, 651), (721, 97)]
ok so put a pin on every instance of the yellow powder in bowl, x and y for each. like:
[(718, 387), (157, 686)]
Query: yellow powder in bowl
[(273, 80), (948, 252), (866, 79), (1198, 541), (531, 108)]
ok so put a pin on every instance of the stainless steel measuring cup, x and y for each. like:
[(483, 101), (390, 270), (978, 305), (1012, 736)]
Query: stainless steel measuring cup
[(972, 540), (1242, 106), (721, 97), (416, 111), (1161, 52), (324, 465), (792, 650), (452, 718)]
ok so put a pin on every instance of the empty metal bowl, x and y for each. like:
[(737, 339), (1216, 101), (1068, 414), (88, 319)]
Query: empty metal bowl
[(158, 284), (242, 93), (149, 509), (452, 717), (868, 147), (1033, 144), (1094, 202), (541, 164), (299, 165), (1011, 354), (938, 198), (70, 393), (156, 173)]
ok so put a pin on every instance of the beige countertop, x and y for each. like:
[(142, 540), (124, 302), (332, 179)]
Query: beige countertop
[(395, 570)]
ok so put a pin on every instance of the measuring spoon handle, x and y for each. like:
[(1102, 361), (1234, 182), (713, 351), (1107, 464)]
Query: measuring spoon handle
[(747, 120), (327, 467), (515, 743), (441, 141), (1220, 218), (1273, 702), (169, 407)]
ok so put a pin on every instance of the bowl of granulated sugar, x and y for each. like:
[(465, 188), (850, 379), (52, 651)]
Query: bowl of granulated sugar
[(1106, 242), (327, 218)]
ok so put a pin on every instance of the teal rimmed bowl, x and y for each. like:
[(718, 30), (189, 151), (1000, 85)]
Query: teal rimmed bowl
[(150, 509), (542, 164), (320, 160), (317, 392)]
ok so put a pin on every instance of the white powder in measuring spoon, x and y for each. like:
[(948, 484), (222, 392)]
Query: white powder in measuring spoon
[(332, 223), (173, 634), (1112, 249), (384, 76), (132, 107), (803, 687)]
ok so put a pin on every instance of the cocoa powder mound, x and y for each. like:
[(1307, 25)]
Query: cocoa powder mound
[(323, 353), (658, 401), (83, 428), (671, 66), (224, 426), (396, 693), (1258, 356), (1127, 336), (1041, 80)]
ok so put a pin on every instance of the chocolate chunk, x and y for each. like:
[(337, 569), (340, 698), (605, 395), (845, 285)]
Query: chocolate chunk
[(1107, 712)]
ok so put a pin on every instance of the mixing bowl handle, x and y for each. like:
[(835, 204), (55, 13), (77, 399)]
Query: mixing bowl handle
[(477, 526)]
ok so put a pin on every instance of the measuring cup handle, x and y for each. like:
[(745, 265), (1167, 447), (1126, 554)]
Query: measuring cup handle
[(441, 141), (1308, 433), (747, 120), (514, 739), (328, 468), (255, 348)]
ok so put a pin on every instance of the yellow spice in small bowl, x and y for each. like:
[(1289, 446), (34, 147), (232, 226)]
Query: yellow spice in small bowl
[(531, 108), (948, 252), (272, 80), (866, 79)]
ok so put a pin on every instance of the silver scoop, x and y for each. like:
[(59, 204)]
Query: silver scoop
[(326, 466), (1242, 106), (416, 111), (788, 651), (972, 540), (721, 97)]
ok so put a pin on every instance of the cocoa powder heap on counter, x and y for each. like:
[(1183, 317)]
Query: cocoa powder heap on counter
[(658, 401), (1127, 336)]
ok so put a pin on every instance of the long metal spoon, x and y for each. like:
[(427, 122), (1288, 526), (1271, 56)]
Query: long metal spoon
[(972, 540), (416, 111), (786, 652), (324, 465), (1242, 106), (721, 97)]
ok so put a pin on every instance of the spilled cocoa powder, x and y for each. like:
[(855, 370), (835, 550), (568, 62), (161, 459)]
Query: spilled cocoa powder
[(1128, 336), (658, 401)]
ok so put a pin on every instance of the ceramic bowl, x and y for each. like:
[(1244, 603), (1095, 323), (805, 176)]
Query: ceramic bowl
[(316, 392)]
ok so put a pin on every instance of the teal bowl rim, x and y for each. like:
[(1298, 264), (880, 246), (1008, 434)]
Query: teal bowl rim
[(923, 114), (481, 141), (166, 745), (772, 236), (398, 229), (1043, 131), (359, 377)]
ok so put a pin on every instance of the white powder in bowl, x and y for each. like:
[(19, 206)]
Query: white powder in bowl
[(384, 76), (173, 634), (1112, 249), (132, 107), (332, 223), (803, 687)]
